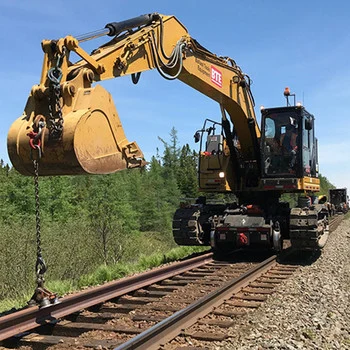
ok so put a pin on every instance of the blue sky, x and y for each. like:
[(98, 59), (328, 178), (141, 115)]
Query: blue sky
[(301, 44)]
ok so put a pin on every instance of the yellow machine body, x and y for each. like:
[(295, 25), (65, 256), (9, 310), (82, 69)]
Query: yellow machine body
[(70, 126), (92, 140)]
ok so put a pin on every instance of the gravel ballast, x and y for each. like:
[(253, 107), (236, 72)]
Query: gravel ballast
[(311, 310)]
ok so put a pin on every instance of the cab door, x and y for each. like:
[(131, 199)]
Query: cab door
[(309, 146)]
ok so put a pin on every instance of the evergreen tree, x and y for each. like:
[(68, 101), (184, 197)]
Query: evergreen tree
[(325, 185), (187, 177), (110, 213), (171, 155), (152, 218), (56, 197), (17, 194)]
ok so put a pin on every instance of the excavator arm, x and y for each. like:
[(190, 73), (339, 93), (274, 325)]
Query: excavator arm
[(71, 124)]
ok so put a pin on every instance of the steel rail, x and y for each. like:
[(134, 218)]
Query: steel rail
[(162, 332), (33, 317), (334, 223), (30, 318)]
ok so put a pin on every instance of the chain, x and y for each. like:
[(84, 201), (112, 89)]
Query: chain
[(40, 265), (55, 120), (42, 296)]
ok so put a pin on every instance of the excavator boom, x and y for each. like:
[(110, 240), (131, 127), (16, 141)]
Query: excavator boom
[(71, 123), (71, 126)]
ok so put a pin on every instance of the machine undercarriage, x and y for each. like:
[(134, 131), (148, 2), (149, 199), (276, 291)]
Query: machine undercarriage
[(230, 226), (286, 163)]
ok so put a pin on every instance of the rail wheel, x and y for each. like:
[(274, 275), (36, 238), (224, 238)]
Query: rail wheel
[(277, 240)]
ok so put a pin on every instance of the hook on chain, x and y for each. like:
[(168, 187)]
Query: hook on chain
[(36, 136), (40, 267), (42, 296), (55, 75)]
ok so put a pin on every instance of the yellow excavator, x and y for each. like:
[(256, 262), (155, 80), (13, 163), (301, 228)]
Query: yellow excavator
[(70, 126)]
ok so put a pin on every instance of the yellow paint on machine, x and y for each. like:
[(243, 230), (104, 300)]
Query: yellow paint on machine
[(309, 184)]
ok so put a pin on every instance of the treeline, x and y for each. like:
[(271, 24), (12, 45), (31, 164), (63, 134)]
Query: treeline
[(135, 200), (87, 221), (325, 186)]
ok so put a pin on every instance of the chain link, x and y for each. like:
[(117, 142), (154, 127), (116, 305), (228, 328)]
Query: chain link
[(42, 296), (55, 120), (40, 265)]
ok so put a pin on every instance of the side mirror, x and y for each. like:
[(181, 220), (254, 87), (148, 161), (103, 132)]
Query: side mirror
[(197, 137), (308, 124)]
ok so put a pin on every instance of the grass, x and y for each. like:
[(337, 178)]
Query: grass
[(106, 273), (109, 273), (347, 215)]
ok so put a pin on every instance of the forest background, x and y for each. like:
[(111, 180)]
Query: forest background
[(94, 228)]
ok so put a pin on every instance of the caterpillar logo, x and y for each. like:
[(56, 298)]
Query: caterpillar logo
[(216, 76)]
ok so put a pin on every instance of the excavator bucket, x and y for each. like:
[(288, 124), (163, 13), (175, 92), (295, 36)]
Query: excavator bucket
[(92, 140)]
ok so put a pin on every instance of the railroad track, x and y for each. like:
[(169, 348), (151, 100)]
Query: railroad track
[(335, 221), (193, 299), (29, 318), (205, 320), (152, 310)]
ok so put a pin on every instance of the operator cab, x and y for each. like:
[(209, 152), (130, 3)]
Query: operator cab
[(214, 170), (289, 146)]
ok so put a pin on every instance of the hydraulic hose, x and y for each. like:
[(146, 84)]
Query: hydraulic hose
[(175, 59)]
